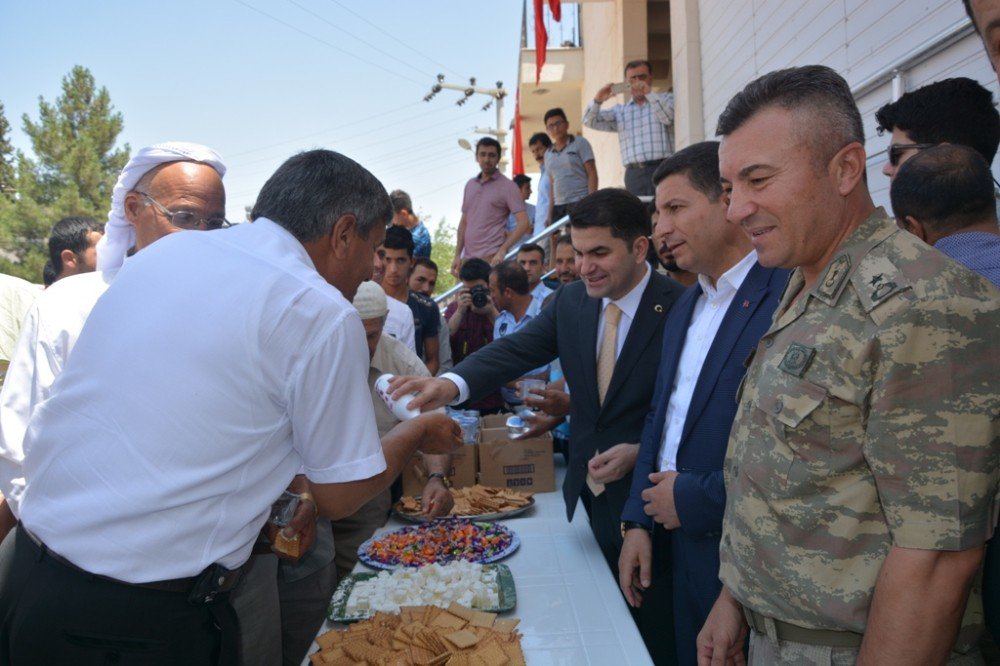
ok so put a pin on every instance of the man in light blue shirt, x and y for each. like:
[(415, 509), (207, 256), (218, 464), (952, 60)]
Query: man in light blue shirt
[(509, 290)]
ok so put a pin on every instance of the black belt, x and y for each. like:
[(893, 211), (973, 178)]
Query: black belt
[(642, 165), (225, 582)]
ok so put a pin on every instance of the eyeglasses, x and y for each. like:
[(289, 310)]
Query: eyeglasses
[(895, 150), (555, 123), (183, 219)]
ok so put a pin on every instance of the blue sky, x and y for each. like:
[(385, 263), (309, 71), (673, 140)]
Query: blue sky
[(259, 80)]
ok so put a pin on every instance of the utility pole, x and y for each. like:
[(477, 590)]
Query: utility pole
[(498, 94)]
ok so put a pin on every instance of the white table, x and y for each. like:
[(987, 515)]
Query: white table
[(571, 610)]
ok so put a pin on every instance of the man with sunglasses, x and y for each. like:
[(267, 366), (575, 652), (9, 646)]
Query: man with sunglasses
[(163, 189), (955, 110)]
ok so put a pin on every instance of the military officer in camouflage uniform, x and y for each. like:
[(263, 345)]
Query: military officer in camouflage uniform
[(862, 468)]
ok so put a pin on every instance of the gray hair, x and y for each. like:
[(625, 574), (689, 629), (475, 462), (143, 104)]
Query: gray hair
[(836, 121), (312, 190)]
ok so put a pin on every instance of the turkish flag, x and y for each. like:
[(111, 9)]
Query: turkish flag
[(541, 34), (517, 165)]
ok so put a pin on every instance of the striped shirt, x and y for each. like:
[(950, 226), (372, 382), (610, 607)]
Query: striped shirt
[(643, 129)]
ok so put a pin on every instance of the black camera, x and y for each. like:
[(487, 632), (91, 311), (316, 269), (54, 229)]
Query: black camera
[(480, 296)]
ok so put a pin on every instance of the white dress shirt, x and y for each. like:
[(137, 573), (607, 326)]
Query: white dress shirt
[(629, 304), (214, 368), (706, 319), (50, 331)]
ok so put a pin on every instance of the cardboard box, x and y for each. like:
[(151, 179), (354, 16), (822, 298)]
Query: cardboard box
[(493, 434), (494, 421), (519, 464), (462, 473)]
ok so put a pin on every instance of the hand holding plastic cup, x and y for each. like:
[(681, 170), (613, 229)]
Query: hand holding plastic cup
[(397, 407), (527, 386)]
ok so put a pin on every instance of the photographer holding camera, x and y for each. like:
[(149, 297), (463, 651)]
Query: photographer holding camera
[(470, 322)]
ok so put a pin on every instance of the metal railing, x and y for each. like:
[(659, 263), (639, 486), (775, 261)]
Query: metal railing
[(443, 299)]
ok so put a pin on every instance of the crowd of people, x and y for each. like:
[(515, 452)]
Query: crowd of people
[(776, 401)]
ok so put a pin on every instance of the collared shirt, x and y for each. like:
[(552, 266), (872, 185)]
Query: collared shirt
[(979, 251), (421, 240), (867, 420), (50, 331), (544, 195), (643, 129), (486, 206), (191, 399), (629, 305), (505, 324), (706, 319), (399, 323), (538, 296), (566, 170)]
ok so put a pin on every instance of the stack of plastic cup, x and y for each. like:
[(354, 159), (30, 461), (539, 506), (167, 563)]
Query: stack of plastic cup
[(469, 425)]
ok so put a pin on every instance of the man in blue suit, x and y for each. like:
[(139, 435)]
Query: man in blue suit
[(673, 517)]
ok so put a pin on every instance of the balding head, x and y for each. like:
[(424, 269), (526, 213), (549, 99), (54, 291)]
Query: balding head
[(191, 187)]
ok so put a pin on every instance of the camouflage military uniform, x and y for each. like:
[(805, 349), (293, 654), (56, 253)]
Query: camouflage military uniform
[(868, 418)]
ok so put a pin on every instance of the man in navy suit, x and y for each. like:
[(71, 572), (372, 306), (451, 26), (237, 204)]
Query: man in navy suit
[(677, 497)]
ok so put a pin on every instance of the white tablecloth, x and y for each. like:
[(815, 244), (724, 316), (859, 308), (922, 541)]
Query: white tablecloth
[(571, 610)]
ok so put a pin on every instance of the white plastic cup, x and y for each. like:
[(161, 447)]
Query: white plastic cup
[(529, 385), (397, 407)]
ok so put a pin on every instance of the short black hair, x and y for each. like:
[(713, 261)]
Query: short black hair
[(511, 275), (312, 190), (399, 238), (474, 269), (489, 141), (520, 179), (531, 247), (540, 137), (70, 233), (426, 262), (836, 121), (632, 64), (617, 209), (700, 163), (957, 110), (552, 113), (564, 239), (948, 187), (49, 276), (400, 201)]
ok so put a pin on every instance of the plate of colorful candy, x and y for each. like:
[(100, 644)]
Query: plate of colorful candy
[(439, 541)]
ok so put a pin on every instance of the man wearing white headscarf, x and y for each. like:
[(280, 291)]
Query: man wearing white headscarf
[(164, 188)]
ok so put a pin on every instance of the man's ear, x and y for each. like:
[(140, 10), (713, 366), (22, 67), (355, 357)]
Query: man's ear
[(641, 247), (916, 227), (342, 235), (849, 167), (69, 259), (132, 206)]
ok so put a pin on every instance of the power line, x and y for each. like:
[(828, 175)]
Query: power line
[(358, 39), (326, 43), (395, 39)]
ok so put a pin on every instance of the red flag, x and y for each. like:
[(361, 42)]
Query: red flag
[(556, 10), (517, 165), (541, 40)]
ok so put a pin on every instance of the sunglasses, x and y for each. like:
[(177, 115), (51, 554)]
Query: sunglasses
[(895, 150)]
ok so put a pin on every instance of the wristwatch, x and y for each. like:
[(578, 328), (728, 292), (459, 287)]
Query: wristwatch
[(440, 475), (632, 525)]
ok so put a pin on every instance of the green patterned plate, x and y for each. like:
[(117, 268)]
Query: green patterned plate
[(338, 605)]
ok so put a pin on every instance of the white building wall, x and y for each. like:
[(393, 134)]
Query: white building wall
[(743, 39)]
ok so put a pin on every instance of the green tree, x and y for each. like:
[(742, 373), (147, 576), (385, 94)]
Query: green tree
[(72, 171), (7, 172), (442, 253)]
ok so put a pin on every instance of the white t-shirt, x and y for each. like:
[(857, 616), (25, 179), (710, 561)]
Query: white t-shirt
[(50, 330), (399, 323), (214, 368)]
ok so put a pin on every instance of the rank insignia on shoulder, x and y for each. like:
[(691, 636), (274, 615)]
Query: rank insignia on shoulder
[(796, 359), (835, 277)]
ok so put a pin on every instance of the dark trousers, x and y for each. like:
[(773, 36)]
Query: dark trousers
[(51, 613), (639, 179)]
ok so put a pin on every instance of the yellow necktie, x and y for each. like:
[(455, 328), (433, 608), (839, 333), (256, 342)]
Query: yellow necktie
[(609, 345)]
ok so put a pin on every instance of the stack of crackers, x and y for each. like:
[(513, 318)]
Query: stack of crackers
[(475, 501), (424, 636)]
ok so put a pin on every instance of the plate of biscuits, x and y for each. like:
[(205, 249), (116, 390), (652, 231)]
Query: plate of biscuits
[(478, 502)]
